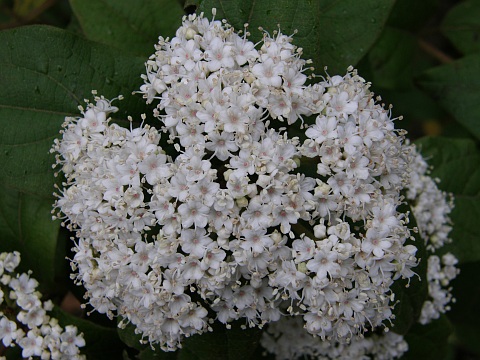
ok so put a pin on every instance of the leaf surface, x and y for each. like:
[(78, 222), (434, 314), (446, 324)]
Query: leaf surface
[(133, 26), (26, 226), (429, 342), (456, 87), (221, 344), (462, 26), (49, 72)]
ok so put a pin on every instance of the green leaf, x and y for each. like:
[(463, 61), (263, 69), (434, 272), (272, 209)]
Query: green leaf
[(221, 344), (149, 354), (129, 337), (457, 89), (462, 26), (49, 72), (411, 15), (464, 314), (26, 225), (131, 26), (411, 294), (416, 107), (456, 162), (429, 342), (332, 33), (102, 343), (391, 59)]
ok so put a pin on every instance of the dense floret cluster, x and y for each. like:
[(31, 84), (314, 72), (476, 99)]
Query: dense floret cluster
[(269, 198), (24, 319), (439, 274), (287, 340)]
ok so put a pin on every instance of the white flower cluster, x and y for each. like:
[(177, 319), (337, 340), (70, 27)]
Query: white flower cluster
[(288, 340), (238, 217), (431, 209), (431, 206), (439, 274), (24, 320)]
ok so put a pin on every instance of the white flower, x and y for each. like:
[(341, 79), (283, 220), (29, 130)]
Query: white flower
[(324, 263), (244, 50), (351, 302), (155, 168), (7, 331), (341, 184), (258, 215), (31, 344), (305, 248), (70, 341), (268, 73), (93, 121), (375, 243), (197, 169), (193, 213), (349, 139), (195, 242), (295, 343), (243, 297), (187, 55), (256, 240), (219, 55), (357, 167), (133, 196), (24, 284), (195, 318), (11, 261), (222, 144), (240, 218), (341, 105), (324, 128), (317, 324), (192, 270), (285, 216), (439, 274), (33, 318), (213, 258), (42, 337)]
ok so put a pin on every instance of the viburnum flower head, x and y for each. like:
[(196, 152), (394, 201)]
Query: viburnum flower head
[(24, 318), (256, 196)]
